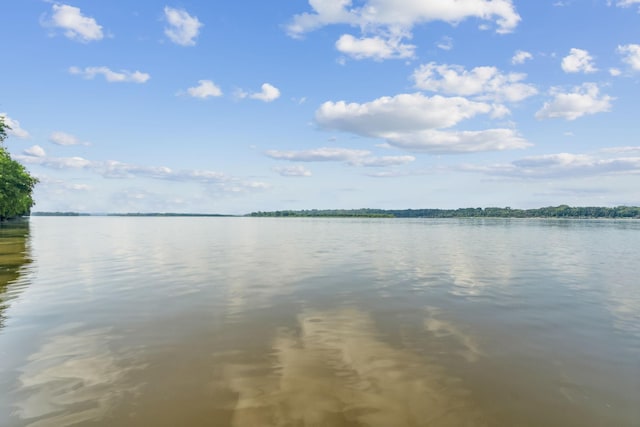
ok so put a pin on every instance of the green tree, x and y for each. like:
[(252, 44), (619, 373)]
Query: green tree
[(16, 184), (3, 130)]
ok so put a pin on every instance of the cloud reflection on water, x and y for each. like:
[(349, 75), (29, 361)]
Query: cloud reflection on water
[(74, 377), (468, 346), (335, 370)]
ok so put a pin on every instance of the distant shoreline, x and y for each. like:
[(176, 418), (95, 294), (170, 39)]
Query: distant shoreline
[(150, 214), (562, 211)]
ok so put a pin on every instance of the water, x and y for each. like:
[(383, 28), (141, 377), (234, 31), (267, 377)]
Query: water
[(319, 322)]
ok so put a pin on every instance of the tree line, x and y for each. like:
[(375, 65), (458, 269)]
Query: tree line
[(562, 211)]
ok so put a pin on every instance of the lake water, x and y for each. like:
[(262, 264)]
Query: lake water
[(109, 321)]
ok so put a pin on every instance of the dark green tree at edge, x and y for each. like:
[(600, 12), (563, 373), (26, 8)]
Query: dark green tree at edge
[(16, 184)]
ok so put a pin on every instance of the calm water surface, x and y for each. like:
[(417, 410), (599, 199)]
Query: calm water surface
[(319, 322)]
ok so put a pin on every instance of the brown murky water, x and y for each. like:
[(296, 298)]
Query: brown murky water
[(319, 322)]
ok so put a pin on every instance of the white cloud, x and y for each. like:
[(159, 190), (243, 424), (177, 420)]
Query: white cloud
[(383, 161), (388, 174), (79, 187), (63, 138), (14, 127), (376, 48), (75, 25), (293, 171), (35, 151), (240, 94), (615, 72), (119, 170), (454, 142), (269, 93), (499, 111), (59, 162), (630, 55), (404, 112), (245, 187), (205, 89), (350, 156), (627, 3), (578, 61), (183, 28), (384, 24), (390, 15), (324, 154), (445, 43), (412, 122), (520, 57), (484, 83), (622, 150), (111, 76), (585, 99), (565, 165)]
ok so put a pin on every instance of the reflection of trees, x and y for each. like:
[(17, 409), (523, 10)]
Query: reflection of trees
[(14, 255)]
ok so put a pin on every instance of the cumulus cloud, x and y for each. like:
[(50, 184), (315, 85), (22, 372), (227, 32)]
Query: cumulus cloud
[(74, 24), (123, 76), (578, 61), (376, 48), (615, 72), (205, 89), (455, 142), (630, 55), (350, 156), (483, 83), (391, 15), (414, 122), (561, 165), (14, 127), (405, 112), (63, 138), (182, 28), (35, 151), (520, 57), (267, 94), (585, 99), (292, 171), (385, 24), (498, 111)]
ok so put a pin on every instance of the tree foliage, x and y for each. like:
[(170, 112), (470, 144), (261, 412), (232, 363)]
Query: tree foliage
[(16, 184)]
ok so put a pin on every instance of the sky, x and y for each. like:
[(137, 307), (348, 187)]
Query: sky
[(235, 106)]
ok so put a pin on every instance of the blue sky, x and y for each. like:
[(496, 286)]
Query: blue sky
[(238, 106)]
